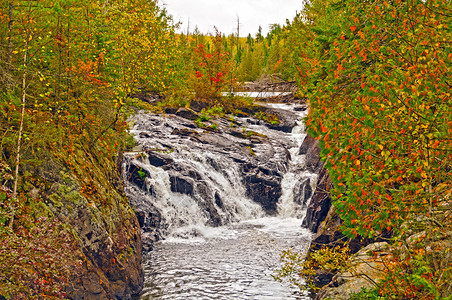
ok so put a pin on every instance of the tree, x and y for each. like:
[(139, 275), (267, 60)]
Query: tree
[(211, 67), (68, 69), (259, 36), (377, 111)]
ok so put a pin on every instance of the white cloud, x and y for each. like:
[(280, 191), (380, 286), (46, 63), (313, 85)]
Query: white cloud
[(223, 14)]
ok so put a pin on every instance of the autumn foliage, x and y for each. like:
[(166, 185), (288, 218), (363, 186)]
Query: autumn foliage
[(379, 91), (67, 72), (211, 64)]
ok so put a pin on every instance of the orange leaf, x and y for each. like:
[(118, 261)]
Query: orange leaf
[(361, 34), (353, 28)]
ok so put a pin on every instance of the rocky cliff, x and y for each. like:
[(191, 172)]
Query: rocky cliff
[(320, 203), (90, 202)]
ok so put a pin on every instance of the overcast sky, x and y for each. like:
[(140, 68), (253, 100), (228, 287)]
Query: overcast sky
[(223, 14)]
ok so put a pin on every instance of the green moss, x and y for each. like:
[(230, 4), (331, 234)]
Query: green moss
[(68, 193), (269, 118), (366, 294), (251, 151)]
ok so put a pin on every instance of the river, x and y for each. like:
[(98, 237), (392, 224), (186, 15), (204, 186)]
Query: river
[(237, 259), (231, 262)]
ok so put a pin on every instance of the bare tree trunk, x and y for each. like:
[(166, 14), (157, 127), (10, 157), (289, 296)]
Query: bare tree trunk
[(10, 32), (21, 127)]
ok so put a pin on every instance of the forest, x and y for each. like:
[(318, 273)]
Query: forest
[(377, 76)]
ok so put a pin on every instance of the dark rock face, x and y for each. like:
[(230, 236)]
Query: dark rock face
[(159, 159), (111, 270), (181, 185), (138, 175), (311, 149), (262, 188), (286, 121), (320, 203), (321, 200), (301, 108), (108, 241)]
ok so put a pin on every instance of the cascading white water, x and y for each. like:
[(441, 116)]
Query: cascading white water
[(182, 214), (287, 206), (235, 258)]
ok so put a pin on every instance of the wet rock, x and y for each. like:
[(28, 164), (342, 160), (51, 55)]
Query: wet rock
[(254, 121), (310, 148), (138, 176), (150, 218), (301, 108), (183, 132), (364, 271), (238, 134), (158, 159), (144, 135), (149, 239), (243, 155), (218, 200), (264, 190), (287, 120), (187, 113), (303, 192), (320, 203), (215, 219), (181, 185)]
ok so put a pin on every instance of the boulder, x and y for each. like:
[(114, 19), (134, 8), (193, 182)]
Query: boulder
[(159, 159), (181, 185), (187, 113), (263, 189), (365, 270), (287, 121)]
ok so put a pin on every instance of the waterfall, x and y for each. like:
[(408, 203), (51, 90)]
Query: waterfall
[(182, 179), (213, 195)]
